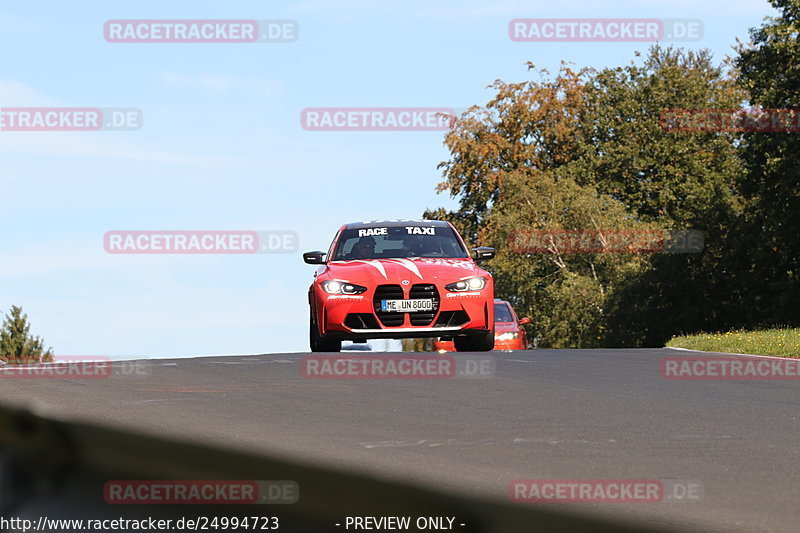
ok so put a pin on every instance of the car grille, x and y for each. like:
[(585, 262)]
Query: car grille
[(424, 291), (395, 292), (388, 292)]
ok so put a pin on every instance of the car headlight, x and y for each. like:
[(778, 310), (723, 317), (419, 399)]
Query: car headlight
[(471, 284), (342, 287), (507, 336)]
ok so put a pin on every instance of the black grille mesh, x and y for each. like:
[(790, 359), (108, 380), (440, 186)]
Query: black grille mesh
[(388, 292), (395, 292), (424, 291)]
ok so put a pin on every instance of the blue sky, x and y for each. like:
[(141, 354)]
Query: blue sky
[(222, 148)]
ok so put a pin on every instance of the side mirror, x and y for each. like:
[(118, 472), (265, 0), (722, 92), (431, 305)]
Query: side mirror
[(314, 258), (482, 253), (524, 321)]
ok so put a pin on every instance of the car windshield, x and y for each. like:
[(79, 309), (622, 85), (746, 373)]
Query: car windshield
[(502, 313), (381, 242)]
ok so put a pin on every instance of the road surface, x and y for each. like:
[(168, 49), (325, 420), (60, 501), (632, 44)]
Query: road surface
[(541, 414)]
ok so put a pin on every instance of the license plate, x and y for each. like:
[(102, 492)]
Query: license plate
[(406, 306)]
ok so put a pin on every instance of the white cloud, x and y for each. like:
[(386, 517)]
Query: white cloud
[(94, 144), (101, 145), (14, 93)]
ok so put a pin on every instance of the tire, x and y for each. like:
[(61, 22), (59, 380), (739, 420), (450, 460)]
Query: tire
[(482, 342), (319, 343)]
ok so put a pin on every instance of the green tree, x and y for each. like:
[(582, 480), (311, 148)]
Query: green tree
[(565, 294), (17, 345), (770, 72), (675, 180), (528, 125), (586, 150)]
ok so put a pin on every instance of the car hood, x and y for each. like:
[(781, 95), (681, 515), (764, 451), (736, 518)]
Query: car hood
[(502, 327), (395, 271)]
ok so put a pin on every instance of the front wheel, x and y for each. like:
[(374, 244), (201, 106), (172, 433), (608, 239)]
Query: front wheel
[(482, 342), (318, 342)]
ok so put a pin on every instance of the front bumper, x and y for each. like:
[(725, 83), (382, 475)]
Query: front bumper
[(510, 344), (358, 317)]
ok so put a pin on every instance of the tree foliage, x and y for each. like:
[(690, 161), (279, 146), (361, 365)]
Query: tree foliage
[(16, 343), (586, 150), (770, 73)]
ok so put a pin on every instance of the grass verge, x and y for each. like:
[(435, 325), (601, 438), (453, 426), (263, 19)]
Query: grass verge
[(776, 342)]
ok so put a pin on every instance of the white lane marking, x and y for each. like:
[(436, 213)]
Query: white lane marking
[(524, 440), (267, 361), (702, 437), (429, 443), (728, 353), (158, 400), (424, 442)]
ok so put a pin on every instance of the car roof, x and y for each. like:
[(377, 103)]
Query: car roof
[(394, 223)]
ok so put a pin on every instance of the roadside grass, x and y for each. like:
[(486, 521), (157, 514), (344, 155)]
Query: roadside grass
[(775, 342)]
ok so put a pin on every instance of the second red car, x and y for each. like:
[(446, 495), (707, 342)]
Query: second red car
[(508, 331)]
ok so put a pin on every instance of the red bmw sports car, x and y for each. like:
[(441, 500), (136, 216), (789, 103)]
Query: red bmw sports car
[(399, 279)]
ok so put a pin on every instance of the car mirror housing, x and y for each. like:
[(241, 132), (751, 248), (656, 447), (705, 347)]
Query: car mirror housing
[(524, 321), (314, 258), (482, 253)]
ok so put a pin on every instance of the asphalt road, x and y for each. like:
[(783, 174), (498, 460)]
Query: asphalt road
[(543, 414)]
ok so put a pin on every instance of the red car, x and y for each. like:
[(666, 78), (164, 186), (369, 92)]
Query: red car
[(508, 335), (400, 279)]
